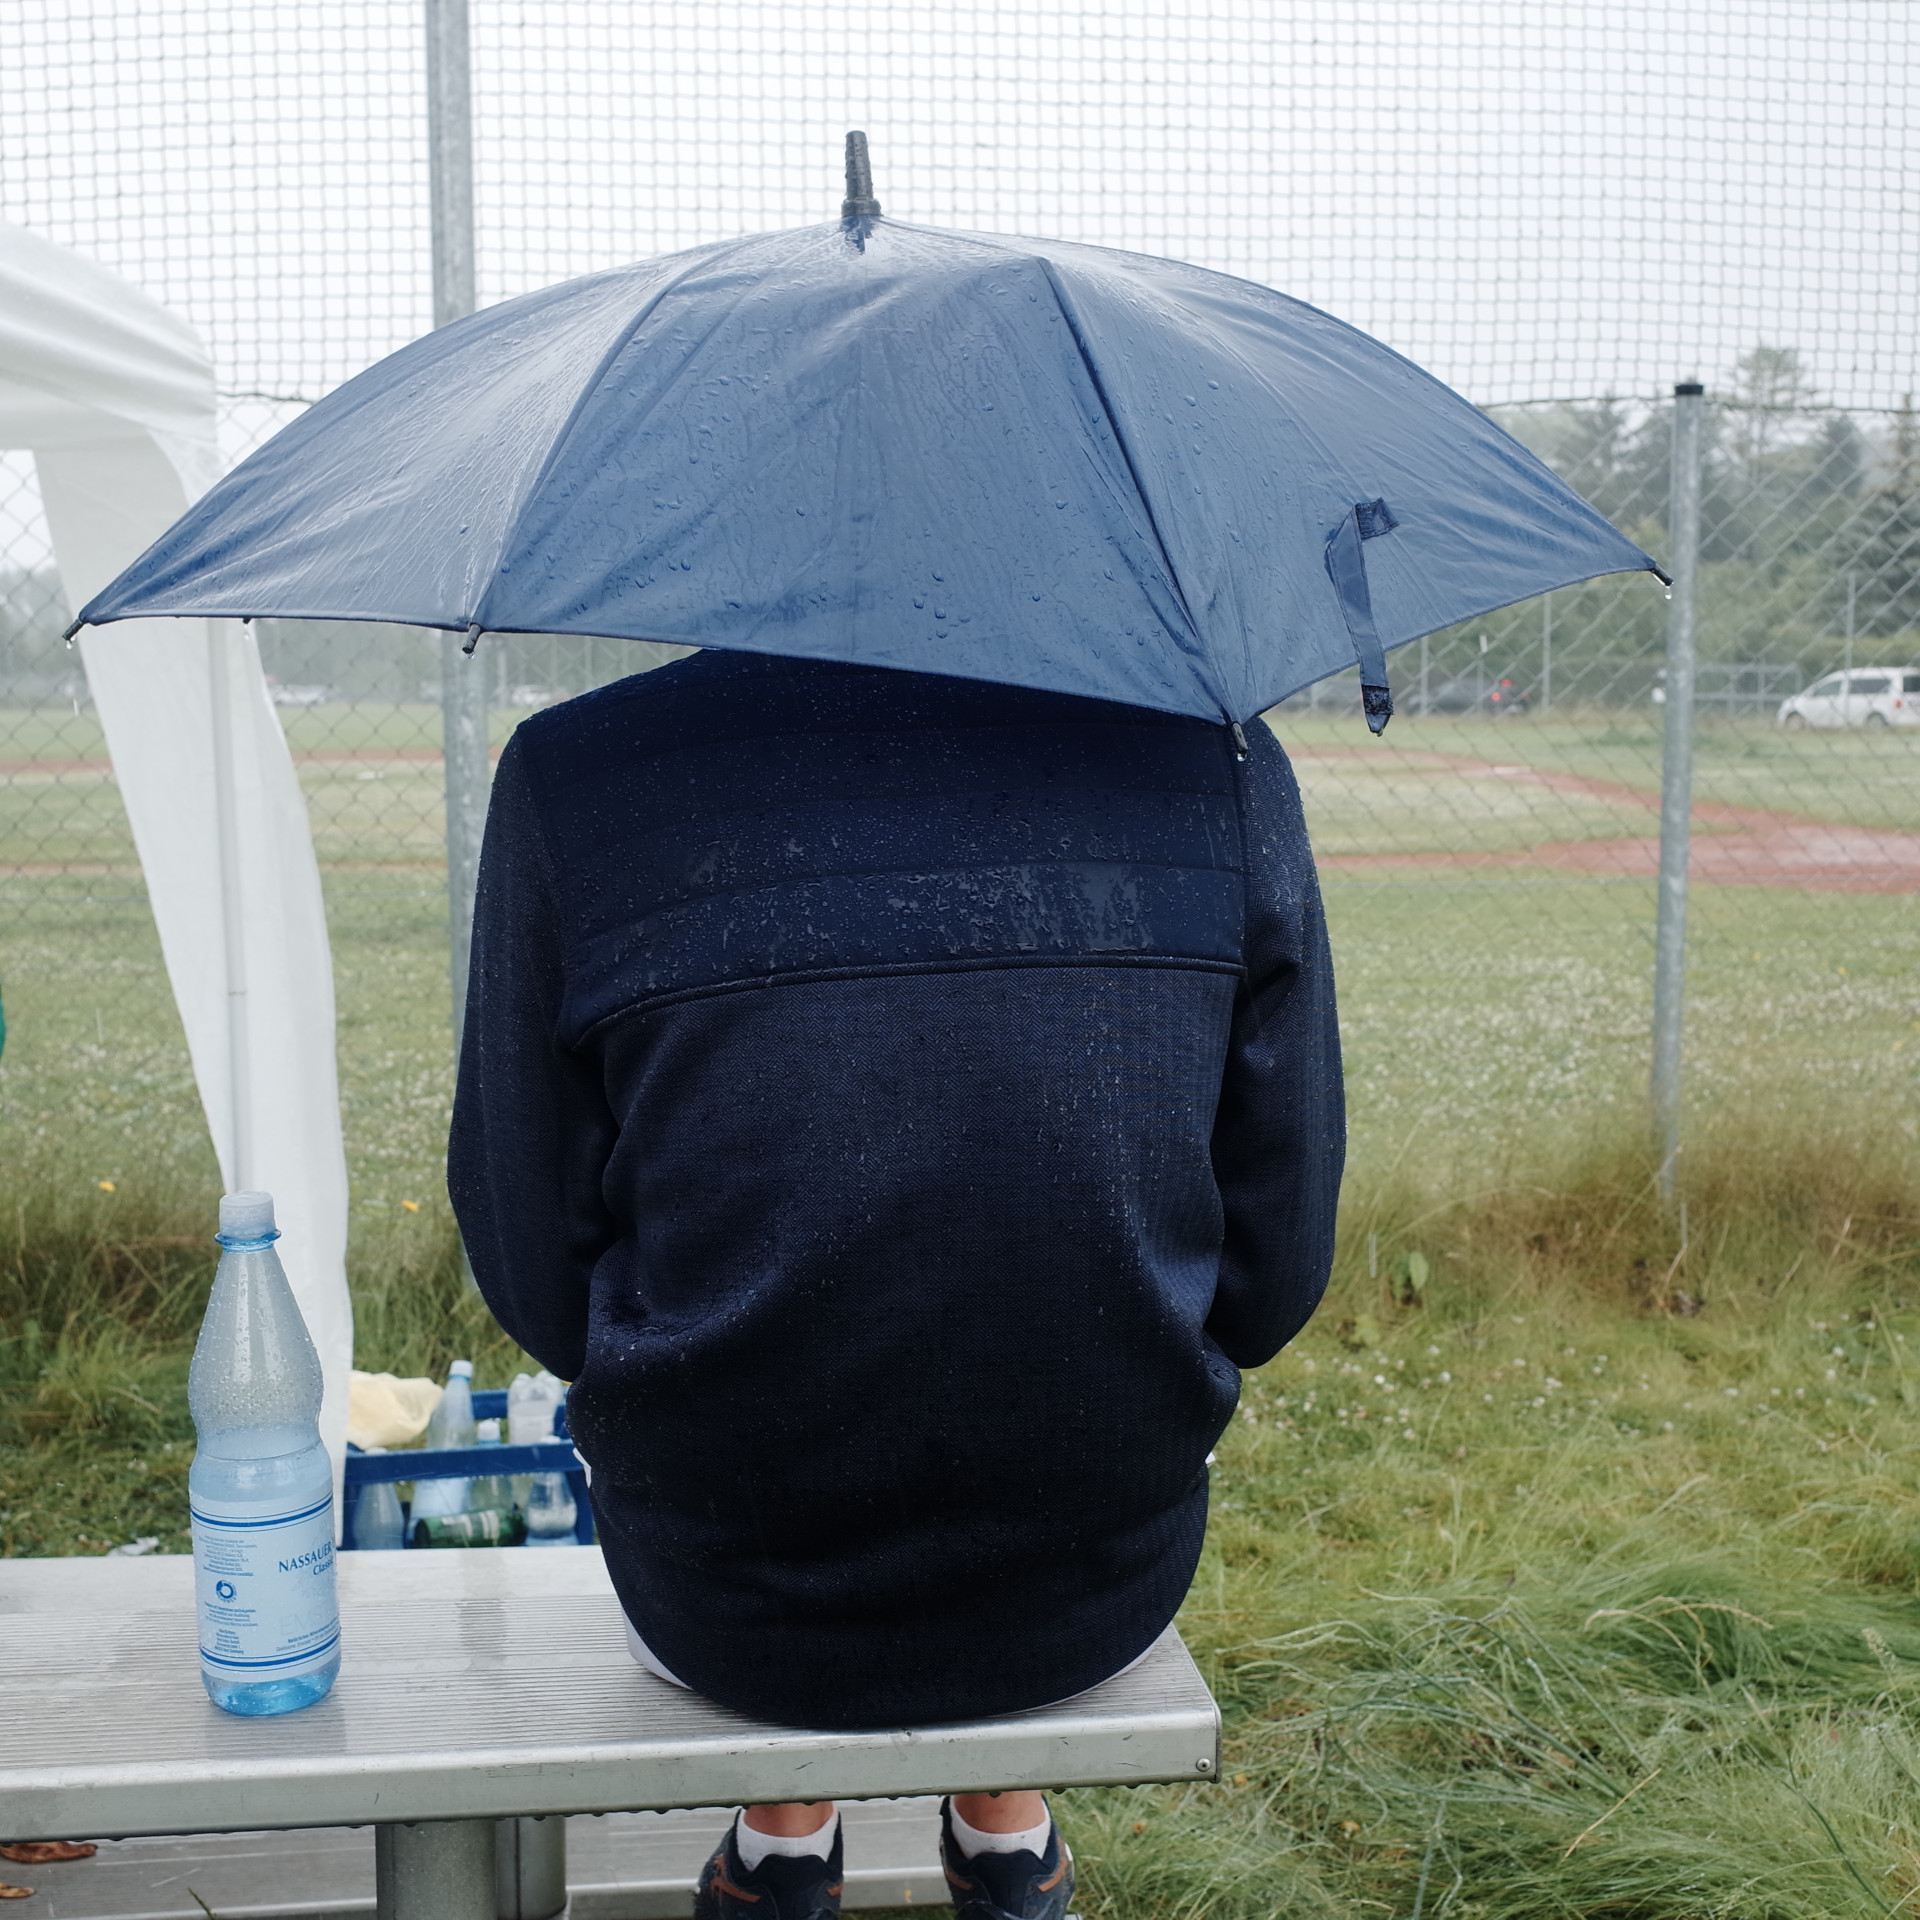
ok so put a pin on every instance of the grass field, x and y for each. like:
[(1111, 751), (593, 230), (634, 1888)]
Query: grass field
[(1583, 1580)]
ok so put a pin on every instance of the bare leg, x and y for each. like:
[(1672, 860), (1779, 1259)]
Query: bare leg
[(1001, 1812), (790, 1819), (990, 1812)]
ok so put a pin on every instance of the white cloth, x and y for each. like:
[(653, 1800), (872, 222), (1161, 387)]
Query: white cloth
[(645, 1655), (115, 397)]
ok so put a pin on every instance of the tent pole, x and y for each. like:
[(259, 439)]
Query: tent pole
[(1676, 781), (221, 682)]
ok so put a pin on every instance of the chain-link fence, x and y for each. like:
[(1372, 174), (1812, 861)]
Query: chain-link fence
[(1561, 211)]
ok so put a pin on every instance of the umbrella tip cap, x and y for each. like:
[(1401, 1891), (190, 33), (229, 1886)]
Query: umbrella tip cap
[(859, 203)]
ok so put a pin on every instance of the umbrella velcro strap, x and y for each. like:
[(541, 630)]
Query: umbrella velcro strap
[(1347, 569)]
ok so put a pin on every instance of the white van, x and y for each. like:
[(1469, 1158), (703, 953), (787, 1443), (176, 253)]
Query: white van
[(1866, 697)]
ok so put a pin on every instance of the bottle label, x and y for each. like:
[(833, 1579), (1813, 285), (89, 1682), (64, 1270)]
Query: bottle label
[(265, 1588)]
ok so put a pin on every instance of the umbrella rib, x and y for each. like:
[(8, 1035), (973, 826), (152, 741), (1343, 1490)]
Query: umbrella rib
[(1072, 319), (623, 340)]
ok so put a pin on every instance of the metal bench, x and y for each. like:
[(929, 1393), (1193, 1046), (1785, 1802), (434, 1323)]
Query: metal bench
[(480, 1691)]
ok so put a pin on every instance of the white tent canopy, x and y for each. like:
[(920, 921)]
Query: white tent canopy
[(115, 398)]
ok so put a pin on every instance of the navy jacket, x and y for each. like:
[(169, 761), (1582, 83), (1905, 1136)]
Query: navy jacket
[(900, 1105)]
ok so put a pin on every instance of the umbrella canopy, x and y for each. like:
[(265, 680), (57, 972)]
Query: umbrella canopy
[(1037, 463)]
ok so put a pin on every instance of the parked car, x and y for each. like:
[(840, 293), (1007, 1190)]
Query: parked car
[(1471, 695), (1866, 697), (283, 695)]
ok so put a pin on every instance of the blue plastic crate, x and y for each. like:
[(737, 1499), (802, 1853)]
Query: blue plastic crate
[(473, 1463)]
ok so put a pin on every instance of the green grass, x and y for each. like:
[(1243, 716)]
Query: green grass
[(102, 1285), (1480, 1010), (1588, 1585)]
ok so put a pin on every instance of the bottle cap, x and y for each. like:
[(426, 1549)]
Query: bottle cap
[(460, 1370), (247, 1218), (487, 1432)]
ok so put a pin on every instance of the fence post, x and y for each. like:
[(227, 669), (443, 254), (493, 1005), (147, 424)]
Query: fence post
[(463, 680), (1676, 779)]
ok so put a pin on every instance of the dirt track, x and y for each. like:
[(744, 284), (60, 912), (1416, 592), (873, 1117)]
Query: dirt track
[(1750, 846)]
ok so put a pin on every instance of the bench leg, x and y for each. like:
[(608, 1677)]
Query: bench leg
[(434, 1870), (530, 1867)]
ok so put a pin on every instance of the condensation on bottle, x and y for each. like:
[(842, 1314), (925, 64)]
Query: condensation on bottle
[(260, 1488), (379, 1522)]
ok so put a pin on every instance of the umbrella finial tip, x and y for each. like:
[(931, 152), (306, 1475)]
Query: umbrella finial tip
[(859, 203)]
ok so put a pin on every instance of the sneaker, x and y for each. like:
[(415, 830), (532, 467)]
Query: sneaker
[(1007, 1886), (781, 1887)]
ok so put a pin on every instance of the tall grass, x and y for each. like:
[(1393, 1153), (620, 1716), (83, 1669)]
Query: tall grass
[(1582, 1580), (101, 1296), (1763, 1195)]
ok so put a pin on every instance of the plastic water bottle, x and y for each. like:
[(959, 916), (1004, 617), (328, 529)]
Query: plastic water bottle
[(261, 1486), (550, 1511), (491, 1491), (532, 1402), (379, 1525), (451, 1426)]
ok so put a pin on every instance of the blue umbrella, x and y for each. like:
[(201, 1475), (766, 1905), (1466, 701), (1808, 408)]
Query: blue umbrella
[(1038, 463)]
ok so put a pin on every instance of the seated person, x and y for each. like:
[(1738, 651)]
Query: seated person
[(900, 1105)]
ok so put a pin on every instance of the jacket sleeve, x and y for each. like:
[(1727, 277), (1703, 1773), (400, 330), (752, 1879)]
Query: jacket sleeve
[(532, 1131), (1279, 1139)]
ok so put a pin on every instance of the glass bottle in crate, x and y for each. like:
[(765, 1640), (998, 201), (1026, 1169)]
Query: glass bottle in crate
[(551, 1513)]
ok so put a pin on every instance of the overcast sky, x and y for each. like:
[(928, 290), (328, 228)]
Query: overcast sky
[(1533, 199)]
